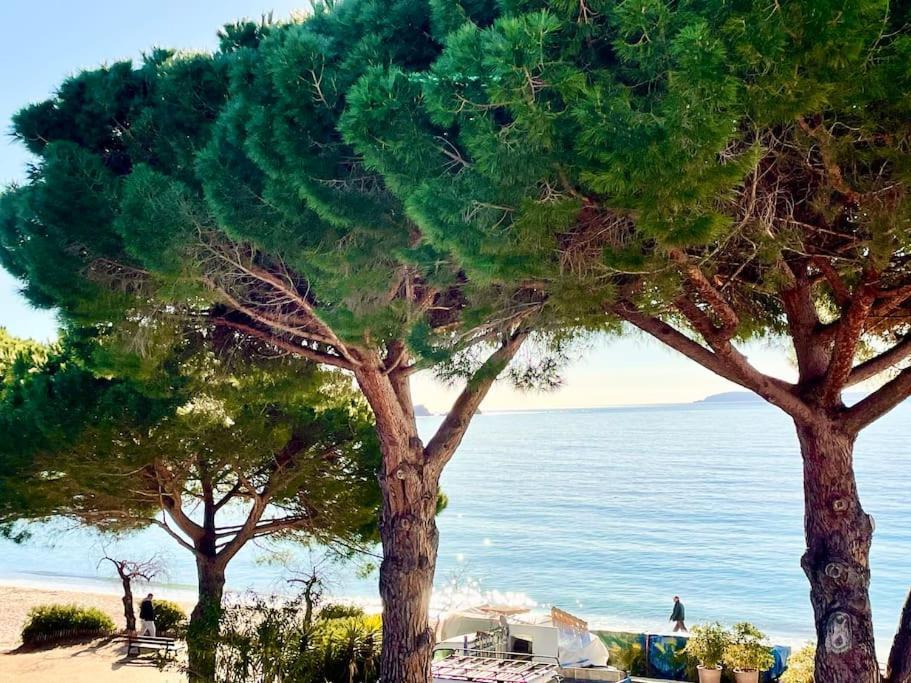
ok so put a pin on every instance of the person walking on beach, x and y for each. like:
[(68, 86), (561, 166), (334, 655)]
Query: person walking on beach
[(678, 615), (147, 617)]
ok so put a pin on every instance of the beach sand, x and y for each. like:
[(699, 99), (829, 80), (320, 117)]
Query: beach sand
[(91, 662)]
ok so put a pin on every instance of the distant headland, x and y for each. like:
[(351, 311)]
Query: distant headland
[(731, 397)]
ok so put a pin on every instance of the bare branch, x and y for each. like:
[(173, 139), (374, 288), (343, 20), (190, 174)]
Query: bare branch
[(850, 328), (726, 315), (440, 448), (879, 402), (678, 341), (885, 360), (722, 359), (284, 345), (180, 539)]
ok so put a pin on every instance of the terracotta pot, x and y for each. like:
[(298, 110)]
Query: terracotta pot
[(709, 675), (746, 676)]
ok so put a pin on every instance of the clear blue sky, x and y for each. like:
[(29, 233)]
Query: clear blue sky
[(47, 40)]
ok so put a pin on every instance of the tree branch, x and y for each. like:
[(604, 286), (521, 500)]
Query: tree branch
[(174, 535), (839, 288), (722, 359), (284, 345), (441, 447), (887, 359), (229, 494), (879, 402), (171, 503), (273, 322), (726, 315), (847, 336), (678, 341)]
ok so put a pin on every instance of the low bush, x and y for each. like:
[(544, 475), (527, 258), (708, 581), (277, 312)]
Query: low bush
[(338, 611), (801, 665), (47, 624), (170, 619), (266, 640)]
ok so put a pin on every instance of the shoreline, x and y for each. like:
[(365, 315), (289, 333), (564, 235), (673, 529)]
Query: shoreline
[(17, 599), (39, 588), (19, 595)]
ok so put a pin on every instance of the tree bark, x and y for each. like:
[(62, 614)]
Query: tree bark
[(407, 530), (128, 609), (410, 539), (836, 562), (202, 633), (899, 670)]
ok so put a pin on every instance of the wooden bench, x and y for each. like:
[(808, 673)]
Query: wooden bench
[(167, 646)]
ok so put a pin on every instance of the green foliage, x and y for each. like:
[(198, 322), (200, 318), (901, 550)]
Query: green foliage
[(268, 641), (340, 611), (13, 351), (170, 618), (205, 417), (266, 155), (630, 658), (748, 649), (801, 666), (47, 624), (708, 643)]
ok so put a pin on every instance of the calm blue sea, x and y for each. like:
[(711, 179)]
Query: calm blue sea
[(607, 513)]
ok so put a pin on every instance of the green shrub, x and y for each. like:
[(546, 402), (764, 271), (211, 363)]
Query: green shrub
[(748, 649), (170, 619), (349, 646), (338, 611), (55, 623), (266, 640), (801, 665), (707, 644)]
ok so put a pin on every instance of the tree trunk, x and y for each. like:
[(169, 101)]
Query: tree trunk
[(899, 670), (838, 534), (202, 632), (128, 609), (409, 535), (408, 530)]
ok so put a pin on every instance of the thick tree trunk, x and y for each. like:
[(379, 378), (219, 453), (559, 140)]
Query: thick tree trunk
[(409, 534), (202, 633), (408, 530), (838, 534), (899, 670), (128, 610)]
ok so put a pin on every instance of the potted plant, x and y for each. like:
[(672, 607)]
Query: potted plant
[(707, 644), (748, 653)]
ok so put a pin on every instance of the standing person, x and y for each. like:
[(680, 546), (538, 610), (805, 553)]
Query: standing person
[(678, 615), (147, 617)]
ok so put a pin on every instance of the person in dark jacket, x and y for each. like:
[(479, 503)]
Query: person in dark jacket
[(678, 615), (147, 617)]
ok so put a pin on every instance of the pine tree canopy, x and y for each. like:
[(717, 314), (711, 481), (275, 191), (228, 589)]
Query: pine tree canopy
[(275, 442), (221, 182), (418, 168), (731, 168)]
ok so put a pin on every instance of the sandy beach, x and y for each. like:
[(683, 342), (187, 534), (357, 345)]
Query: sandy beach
[(83, 663)]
